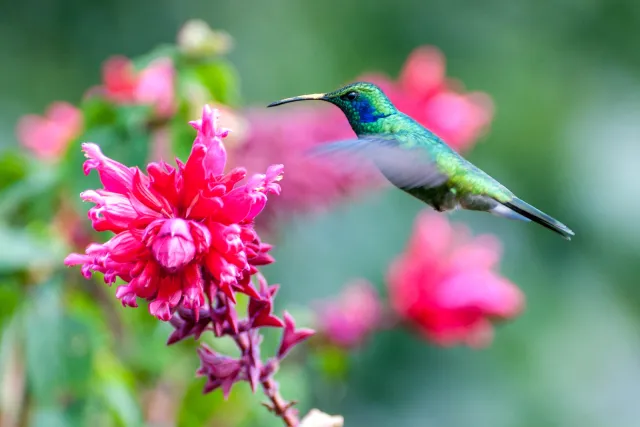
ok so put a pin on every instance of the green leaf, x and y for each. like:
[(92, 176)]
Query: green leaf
[(50, 416), (115, 384), (12, 167), (332, 361), (98, 112), (221, 80), (73, 175), (40, 181), (59, 350), (20, 250), (44, 341), (120, 399), (182, 135), (10, 295), (199, 409), (127, 143)]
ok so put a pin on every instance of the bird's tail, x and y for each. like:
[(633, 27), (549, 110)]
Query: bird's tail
[(528, 211)]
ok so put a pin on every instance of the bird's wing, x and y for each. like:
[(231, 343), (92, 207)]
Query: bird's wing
[(404, 166)]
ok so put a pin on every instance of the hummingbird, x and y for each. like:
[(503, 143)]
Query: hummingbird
[(416, 160)]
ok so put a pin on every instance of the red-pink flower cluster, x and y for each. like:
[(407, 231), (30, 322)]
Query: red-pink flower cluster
[(424, 93), (184, 240), (49, 136), (349, 319), (312, 183), (180, 233), (154, 85), (444, 284)]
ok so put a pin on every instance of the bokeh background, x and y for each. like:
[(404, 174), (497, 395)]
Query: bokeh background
[(565, 80)]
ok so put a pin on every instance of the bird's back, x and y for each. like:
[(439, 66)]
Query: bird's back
[(463, 175)]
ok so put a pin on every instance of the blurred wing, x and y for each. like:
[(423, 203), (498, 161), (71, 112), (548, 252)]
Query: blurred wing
[(404, 167)]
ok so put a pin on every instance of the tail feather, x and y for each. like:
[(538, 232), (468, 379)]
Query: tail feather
[(526, 210)]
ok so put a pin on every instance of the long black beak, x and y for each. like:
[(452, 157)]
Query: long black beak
[(313, 96)]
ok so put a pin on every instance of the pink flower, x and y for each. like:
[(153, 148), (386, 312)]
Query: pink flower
[(154, 85), (445, 286), (424, 93), (292, 336), (221, 371), (347, 321), (48, 136), (181, 234), (312, 184)]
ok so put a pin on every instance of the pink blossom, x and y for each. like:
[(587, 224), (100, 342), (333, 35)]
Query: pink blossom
[(312, 183), (154, 85), (181, 234), (349, 319), (292, 336), (445, 284), (48, 136), (221, 371), (424, 93)]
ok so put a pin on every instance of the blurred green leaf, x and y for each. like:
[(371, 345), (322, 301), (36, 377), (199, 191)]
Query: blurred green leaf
[(10, 294), (332, 361), (115, 383), (12, 167), (98, 112), (199, 409), (23, 250), (182, 135), (49, 416), (59, 349), (133, 118), (44, 341), (73, 175), (37, 182), (221, 80), (120, 399), (127, 143)]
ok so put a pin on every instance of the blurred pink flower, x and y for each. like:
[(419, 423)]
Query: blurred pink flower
[(424, 93), (312, 183), (154, 85), (48, 136), (285, 135), (445, 286), (180, 233), (349, 319)]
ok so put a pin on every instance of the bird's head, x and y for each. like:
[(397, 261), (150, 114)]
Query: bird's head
[(362, 103)]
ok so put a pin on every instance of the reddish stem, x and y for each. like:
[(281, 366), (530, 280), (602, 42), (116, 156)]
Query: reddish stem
[(279, 405)]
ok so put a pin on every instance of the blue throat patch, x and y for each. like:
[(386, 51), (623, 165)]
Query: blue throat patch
[(368, 113)]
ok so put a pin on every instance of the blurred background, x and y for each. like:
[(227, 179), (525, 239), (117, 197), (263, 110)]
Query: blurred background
[(564, 77)]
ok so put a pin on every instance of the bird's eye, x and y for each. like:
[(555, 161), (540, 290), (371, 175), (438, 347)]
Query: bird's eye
[(350, 96)]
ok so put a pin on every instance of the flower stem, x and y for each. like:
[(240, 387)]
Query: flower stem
[(278, 405)]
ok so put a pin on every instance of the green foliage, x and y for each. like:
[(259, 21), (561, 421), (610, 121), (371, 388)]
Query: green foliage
[(221, 80), (25, 250)]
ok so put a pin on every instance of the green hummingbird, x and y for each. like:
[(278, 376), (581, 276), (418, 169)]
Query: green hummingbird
[(417, 161)]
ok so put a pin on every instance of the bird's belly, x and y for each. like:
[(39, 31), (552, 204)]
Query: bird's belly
[(441, 198)]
